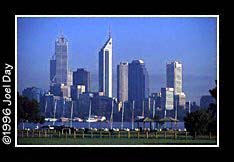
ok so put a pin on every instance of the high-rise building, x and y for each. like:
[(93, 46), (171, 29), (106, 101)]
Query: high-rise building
[(174, 76), (61, 57), (69, 78), (122, 82), (82, 77), (167, 98), (174, 80), (105, 68), (66, 90), (138, 81), (52, 69), (60, 76), (76, 90)]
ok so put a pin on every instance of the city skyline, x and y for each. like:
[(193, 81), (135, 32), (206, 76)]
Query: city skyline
[(154, 64)]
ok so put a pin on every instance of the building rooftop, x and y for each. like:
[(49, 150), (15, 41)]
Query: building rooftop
[(138, 61)]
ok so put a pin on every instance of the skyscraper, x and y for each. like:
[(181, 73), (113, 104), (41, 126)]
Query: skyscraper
[(60, 76), (105, 68), (174, 80), (122, 82), (61, 56), (174, 76), (167, 99), (138, 81), (52, 69), (82, 77)]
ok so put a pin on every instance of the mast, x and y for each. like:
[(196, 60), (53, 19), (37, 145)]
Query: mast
[(64, 108), (55, 106), (143, 109), (153, 112), (133, 105), (149, 104), (122, 116), (89, 112), (175, 109), (45, 108), (71, 114), (111, 118)]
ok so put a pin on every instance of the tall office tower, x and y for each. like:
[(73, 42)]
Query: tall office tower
[(167, 99), (52, 69), (138, 81), (69, 78), (174, 80), (82, 77), (61, 56), (105, 68), (174, 76), (122, 82)]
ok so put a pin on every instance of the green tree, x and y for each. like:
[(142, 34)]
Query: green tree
[(198, 122), (28, 110), (213, 110), (203, 121)]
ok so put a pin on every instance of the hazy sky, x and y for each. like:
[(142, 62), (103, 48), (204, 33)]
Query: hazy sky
[(154, 40)]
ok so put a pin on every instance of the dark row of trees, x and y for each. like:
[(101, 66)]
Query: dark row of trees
[(28, 110), (203, 121)]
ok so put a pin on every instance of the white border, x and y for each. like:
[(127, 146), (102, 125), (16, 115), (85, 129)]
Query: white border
[(120, 16)]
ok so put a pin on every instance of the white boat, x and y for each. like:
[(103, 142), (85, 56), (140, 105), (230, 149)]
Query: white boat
[(101, 118), (95, 118), (53, 119), (140, 117), (92, 119), (78, 119), (50, 119), (47, 119), (63, 119)]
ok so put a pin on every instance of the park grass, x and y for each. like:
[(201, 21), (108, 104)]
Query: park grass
[(112, 141)]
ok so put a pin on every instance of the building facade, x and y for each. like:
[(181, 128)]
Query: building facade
[(76, 91), (174, 76), (167, 98), (61, 56), (138, 85), (122, 82), (174, 80), (105, 68), (138, 81), (82, 77), (52, 70)]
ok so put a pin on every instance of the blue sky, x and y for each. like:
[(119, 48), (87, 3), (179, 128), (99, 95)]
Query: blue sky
[(154, 40)]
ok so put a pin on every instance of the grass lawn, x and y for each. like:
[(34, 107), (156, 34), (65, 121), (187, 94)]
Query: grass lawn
[(109, 141)]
